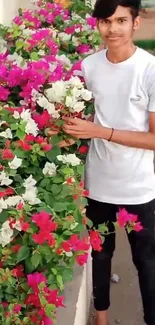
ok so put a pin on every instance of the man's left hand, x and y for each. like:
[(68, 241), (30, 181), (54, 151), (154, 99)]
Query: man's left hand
[(81, 129)]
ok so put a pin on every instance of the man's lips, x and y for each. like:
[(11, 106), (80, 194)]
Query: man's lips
[(113, 37)]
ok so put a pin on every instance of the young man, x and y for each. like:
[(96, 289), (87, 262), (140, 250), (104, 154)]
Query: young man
[(119, 168)]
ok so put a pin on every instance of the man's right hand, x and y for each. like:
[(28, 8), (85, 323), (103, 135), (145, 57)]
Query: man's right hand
[(63, 143)]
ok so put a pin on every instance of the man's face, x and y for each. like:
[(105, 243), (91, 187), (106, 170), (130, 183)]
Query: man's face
[(118, 29)]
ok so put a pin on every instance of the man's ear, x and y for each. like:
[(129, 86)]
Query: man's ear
[(137, 23)]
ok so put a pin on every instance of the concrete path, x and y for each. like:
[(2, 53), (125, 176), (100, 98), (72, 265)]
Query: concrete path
[(126, 308)]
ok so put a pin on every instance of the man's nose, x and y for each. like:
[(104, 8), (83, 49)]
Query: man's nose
[(112, 28)]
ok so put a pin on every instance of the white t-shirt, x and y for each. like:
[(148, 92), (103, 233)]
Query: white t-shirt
[(124, 95)]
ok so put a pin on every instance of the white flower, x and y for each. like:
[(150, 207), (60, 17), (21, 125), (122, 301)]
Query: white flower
[(15, 163), (4, 179), (50, 107), (57, 92), (28, 32), (75, 41), (35, 94), (7, 134), (31, 128), (41, 52), (86, 94), (31, 196), (12, 201), (16, 115), (79, 106), (29, 182), (63, 58), (49, 169), (26, 115), (76, 92), (17, 59), (64, 37), (3, 205), (6, 234), (69, 254), (69, 102), (69, 159), (3, 46), (78, 30), (75, 82)]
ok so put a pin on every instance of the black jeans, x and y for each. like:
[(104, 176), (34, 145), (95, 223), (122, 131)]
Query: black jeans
[(143, 253)]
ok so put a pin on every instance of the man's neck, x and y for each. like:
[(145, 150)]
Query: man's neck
[(121, 54)]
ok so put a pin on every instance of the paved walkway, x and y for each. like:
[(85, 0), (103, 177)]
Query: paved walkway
[(126, 306)]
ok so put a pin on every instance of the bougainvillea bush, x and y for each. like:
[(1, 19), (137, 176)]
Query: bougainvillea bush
[(42, 195)]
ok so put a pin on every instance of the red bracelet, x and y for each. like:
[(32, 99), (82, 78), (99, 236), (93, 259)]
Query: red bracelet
[(112, 132)]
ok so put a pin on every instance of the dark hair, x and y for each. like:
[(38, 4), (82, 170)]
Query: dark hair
[(106, 8)]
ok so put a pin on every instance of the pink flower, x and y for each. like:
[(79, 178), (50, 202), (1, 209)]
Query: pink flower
[(70, 29), (82, 259), (46, 147), (138, 227), (91, 22), (7, 154), (4, 94), (42, 120), (44, 222), (35, 279), (18, 21), (17, 308), (47, 321), (95, 240), (20, 206), (83, 48), (57, 74), (122, 218)]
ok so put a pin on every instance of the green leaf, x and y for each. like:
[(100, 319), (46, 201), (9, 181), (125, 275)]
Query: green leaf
[(19, 44), (54, 271), (60, 282), (43, 301), (79, 228), (89, 223), (60, 206), (34, 56), (14, 126), (45, 250), (49, 199), (52, 154), (103, 228), (36, 259), (56, 189), (20, 134), (67, 171), (4, 216), (58, 179), (67, 275), (51, 278), (49, 309), (23, 253)]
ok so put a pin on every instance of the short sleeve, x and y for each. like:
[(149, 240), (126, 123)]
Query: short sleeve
[(86, 75), (152, 97), (151, 90)]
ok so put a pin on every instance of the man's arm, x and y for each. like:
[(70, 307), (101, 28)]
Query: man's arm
[(86, 129)]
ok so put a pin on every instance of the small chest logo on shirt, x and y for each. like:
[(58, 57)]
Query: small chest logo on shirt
[(135, 99)]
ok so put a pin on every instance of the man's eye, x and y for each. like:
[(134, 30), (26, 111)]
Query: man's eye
[(121, 21), (104, 21)]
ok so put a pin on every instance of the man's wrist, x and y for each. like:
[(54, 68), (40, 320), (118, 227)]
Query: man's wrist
[(104, 133)]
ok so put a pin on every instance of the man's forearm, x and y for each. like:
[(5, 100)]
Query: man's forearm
[(135, 139)]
